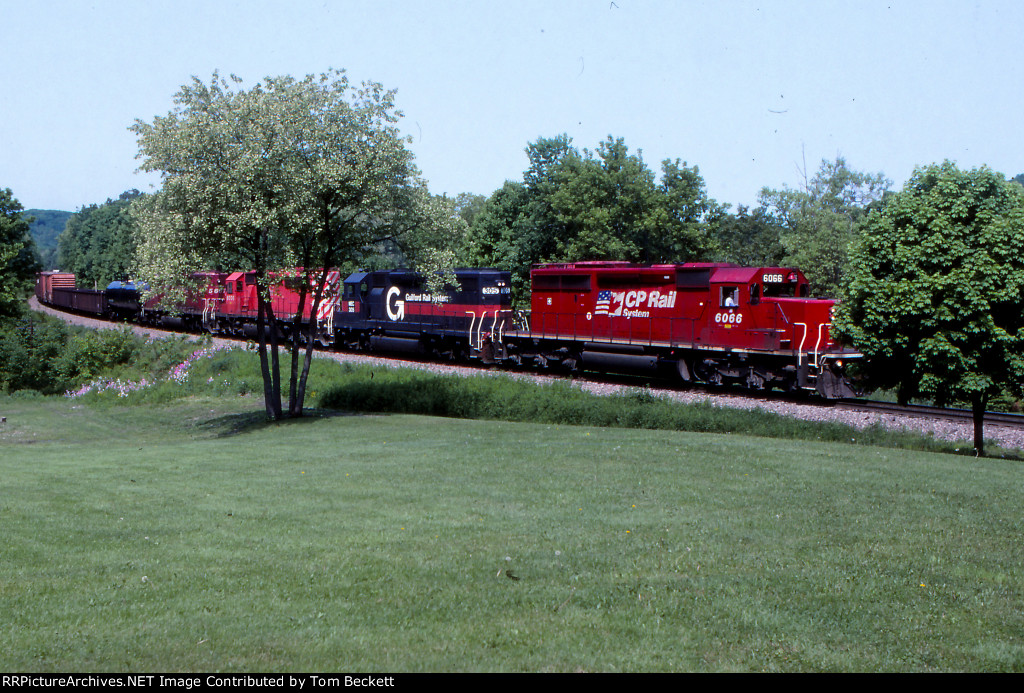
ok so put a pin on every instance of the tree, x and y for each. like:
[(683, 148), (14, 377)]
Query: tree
[(609, 207), (748, 237), (304, 173), (592, 205), (46, 228), (469, 205), (98, 241), (600, 200), (937, 284), (496, 236), (18, 259), (820, 220)]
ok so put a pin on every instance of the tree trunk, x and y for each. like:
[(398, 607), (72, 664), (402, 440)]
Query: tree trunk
[(318, 298), (261, 340), (979, 403), (294, 401), (269, 367), (275, 357)]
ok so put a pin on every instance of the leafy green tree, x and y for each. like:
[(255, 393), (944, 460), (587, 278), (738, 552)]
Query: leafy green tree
[(592, 205), (18, 259), (495, 238), (469, 205), (599, 200), (309, 173), (98, 241), (937, 284), (609, 207), (46, 228), (679, 222), (748, 237), (820, 220), (31, 346)]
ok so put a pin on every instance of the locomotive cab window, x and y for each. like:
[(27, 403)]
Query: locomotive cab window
[(780, 290), (755, 294), (729, 297)]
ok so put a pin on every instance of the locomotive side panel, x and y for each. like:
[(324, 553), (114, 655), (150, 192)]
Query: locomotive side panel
[(716, 322)]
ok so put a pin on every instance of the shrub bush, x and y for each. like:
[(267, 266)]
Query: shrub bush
[(41, 353), (30, 347), (490, 397)]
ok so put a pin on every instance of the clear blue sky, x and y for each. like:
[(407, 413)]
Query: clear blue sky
[(747, 91)]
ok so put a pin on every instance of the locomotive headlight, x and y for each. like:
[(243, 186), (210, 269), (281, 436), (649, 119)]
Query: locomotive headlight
[(839, 363)]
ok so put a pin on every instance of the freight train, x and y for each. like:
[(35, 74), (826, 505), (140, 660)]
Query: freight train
[(714, 323)]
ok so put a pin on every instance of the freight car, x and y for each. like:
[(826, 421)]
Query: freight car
[(58, 289)]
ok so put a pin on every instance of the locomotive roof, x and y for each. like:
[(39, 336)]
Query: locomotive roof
[(735, 275), (360, 275), (719, 271)]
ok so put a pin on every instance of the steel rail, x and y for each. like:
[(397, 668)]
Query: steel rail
[(928, 412)]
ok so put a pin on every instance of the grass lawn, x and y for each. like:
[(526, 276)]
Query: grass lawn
[(189, 536)]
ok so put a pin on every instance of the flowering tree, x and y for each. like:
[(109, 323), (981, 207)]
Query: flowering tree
[(291, 173)]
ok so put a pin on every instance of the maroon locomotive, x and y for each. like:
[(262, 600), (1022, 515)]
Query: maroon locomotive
[(715, 323)]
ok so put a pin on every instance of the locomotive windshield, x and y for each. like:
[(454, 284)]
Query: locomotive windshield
[(780, 285)]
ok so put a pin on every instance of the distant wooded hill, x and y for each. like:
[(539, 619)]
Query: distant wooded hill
[(48, 225)]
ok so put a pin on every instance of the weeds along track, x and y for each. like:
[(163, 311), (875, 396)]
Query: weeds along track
[(1005, 430)]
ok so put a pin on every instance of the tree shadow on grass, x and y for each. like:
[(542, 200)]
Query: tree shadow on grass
[(249, 422)]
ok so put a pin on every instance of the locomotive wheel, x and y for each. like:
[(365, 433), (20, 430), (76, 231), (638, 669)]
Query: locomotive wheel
[(707, 371), (755, 381)]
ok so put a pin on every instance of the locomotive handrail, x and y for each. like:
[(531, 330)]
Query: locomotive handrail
[(480, 334), (800, 349), (785, 318), (821, 328), (472, 323), (524, 319)]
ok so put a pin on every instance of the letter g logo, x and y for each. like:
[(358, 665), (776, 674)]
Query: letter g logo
[(395, 307)]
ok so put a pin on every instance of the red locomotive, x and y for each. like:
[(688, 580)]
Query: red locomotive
[(714, 323), (228, 303)]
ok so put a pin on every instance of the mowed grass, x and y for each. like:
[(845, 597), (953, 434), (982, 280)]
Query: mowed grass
[(191, 536)]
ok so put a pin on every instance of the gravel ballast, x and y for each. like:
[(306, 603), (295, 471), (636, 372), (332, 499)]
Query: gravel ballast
[(1004, 436)]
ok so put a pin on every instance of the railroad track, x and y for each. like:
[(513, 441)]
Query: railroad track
[(660, 385), (920, 411)]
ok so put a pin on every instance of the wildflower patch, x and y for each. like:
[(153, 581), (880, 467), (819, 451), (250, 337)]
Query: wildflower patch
[(177, 374)]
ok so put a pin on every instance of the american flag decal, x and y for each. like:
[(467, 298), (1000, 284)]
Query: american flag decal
[(603, 301)]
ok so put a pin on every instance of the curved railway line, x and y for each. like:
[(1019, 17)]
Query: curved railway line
[(916, 410), (1005, 430)]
